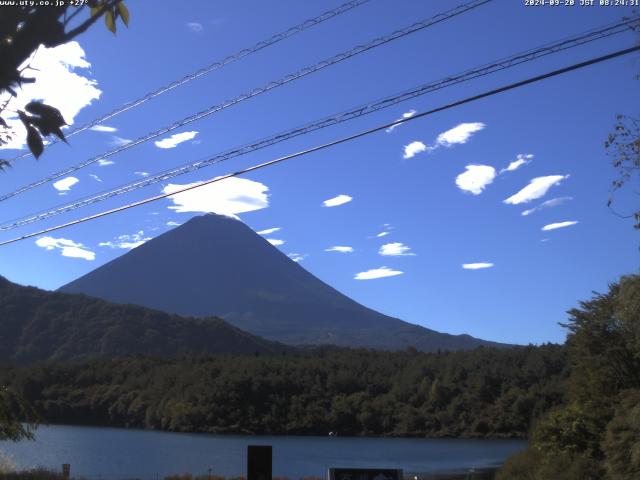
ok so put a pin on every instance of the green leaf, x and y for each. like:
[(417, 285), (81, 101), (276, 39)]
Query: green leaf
[(34, 141), (109, 21), (124, 13)]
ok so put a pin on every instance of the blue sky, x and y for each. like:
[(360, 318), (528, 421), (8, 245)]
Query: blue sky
[(424, 200)]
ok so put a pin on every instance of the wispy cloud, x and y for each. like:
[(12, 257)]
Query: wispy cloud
[(554, 202), (65, 184), (127, 242), (174, 140), (538, 187), (395, 249), (104, 163), (521, 159), (408, 114), (117, 141), (274, 241), (173, 224), (227, 197), (336, 201), (142, 174), (476, 178), (269, 231), (413, 149), (476, 266), (386, 231), (95, 177), (297, 257), (377, 273), (60, 82), (103, 128), (555, 226), (459, 134), (194, 27), (339, 248), (68, 248)]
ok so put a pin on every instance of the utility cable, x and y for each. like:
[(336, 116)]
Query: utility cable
[(339, 141), (350, 114), (212, 67), (258, 91)]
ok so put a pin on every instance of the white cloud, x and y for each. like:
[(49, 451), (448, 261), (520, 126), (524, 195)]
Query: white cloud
[(269, 231), (413, 149), (476, 266), (475, 178), (103, 128), (142, 174), (68, 248), (521, 159), (555, 226), (195, 27), (226, 197), (395, 249), (338, 248), (117, 141), (65, 184), (387, 230), (459, 134), (105, 163), (538, 187), (336, 201), (297, 257), (554, 202), (173, 224), (127, 242), (175, 140), (377, 273), (274, 241), (408, 114), (57, 84), (95, 177)]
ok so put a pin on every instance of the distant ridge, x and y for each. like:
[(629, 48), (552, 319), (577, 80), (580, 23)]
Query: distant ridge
[(40, 325), (216, 265)]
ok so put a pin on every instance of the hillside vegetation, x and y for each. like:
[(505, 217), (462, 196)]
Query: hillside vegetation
[(481, 393), (595, 433), (39, 325)]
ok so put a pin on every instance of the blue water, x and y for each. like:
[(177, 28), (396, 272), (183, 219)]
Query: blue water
[(108, 453)]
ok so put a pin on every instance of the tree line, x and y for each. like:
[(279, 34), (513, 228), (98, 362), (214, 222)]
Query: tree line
[(481, 393)]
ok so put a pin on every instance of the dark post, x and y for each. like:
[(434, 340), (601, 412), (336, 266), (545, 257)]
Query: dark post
[(66, 470), (259, 462)]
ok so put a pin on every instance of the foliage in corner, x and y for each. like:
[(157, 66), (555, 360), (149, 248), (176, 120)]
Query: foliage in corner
[(22, 30), (18, 419)]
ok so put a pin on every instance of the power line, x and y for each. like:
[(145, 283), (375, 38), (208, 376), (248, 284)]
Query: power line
[(514, 60), (258, 91), (311, 22), (339, 141)]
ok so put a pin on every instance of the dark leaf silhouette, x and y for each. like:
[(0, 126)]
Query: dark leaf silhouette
[(34, 141)]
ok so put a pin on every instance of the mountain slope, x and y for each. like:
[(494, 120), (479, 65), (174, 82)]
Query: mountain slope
[(40, 325), (215, 265)]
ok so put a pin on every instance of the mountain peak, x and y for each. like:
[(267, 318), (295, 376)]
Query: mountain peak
[(215, 265)]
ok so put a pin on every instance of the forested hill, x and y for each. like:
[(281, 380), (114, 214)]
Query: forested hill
[(485, 392), (38, 325), (228, 270)]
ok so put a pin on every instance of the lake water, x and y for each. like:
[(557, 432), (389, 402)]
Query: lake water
[(108, 453)]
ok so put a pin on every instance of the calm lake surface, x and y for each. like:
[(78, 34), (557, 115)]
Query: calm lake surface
[(107, 453)]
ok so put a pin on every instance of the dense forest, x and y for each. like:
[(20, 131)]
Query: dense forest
[(481, 393), (40, 325), (595, 433)]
